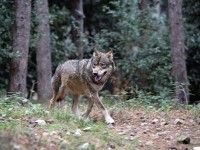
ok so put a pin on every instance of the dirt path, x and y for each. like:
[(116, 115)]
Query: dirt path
[(159, 130)]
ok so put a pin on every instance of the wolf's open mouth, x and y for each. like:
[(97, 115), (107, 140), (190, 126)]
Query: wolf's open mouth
[(97, 77)]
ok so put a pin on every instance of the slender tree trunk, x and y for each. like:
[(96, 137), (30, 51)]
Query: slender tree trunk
[(43, 53), (18, 65), (177, 50), (77, 30), (143, 5)]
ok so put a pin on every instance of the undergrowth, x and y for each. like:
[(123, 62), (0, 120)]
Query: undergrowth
[(18, 117), (137, 98)]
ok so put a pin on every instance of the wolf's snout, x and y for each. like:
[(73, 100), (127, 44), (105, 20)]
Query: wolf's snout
[(98, 77), (95, 74)]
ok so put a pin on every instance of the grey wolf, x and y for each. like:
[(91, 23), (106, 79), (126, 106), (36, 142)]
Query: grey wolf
[(83, 77)]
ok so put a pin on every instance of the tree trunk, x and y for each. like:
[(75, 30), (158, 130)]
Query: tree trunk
[(18, 65), (43, 52), (143, 5), (77, 29), (179, 71)]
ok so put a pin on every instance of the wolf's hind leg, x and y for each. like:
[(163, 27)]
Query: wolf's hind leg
[(52, 101), (58, 96), (75, 109)]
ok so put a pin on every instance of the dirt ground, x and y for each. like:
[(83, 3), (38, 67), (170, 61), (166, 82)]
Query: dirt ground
[(138, 129), (173, 130)]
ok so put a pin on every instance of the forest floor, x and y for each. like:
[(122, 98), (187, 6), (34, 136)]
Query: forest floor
[(33, 126)]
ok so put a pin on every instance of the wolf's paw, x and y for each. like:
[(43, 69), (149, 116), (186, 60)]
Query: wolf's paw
[(109, 120)]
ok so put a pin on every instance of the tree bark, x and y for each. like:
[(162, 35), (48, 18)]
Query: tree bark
[(77, 29), (143, 5), (43, 52), (179, 70), (21, 33)]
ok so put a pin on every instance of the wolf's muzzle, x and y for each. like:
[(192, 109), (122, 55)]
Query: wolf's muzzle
[(98, 77)]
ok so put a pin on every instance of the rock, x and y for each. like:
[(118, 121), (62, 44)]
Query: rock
[(149, 143), (45, 134), (158, 129), (184, 139), (84, 146), (179, 121), (25, 101), (154, 121), (112, 146), (163, 123), (53, 133), (163, 133), (196, 148), (40, 122), (77, 133), (143, 124), (16, 147)]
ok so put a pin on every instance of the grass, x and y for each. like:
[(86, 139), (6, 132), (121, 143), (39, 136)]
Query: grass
[(58, 132), (19, 130)]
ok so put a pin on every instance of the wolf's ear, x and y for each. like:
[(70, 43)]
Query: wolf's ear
[(96, 52), (110, 55)]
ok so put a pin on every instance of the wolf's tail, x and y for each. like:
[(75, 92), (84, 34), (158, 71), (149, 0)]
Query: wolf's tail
[(56, 80)]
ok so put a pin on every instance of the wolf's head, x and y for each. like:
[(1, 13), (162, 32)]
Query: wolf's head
[(102, 66)]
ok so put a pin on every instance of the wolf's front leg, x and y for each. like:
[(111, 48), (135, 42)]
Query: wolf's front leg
[(97, 101)]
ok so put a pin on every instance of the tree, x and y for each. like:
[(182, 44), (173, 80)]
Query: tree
[(43, 52), (143, 4), (18, 65), (179, 71), (77, 28)]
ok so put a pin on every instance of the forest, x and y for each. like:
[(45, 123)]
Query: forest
[(153, 94)]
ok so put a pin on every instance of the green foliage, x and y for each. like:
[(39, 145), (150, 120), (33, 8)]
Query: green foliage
[(7, 125), (138, 38), (62, 46), (9, 104), (36, 109), (7, 22), (160, 102), (191, 12), (63, 116), (6, 27), (140, 43)]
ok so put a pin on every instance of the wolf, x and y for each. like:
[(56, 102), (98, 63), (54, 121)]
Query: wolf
[(83, 77)]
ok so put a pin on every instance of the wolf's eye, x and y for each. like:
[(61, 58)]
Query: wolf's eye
[(94, 65), (103, 65)]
